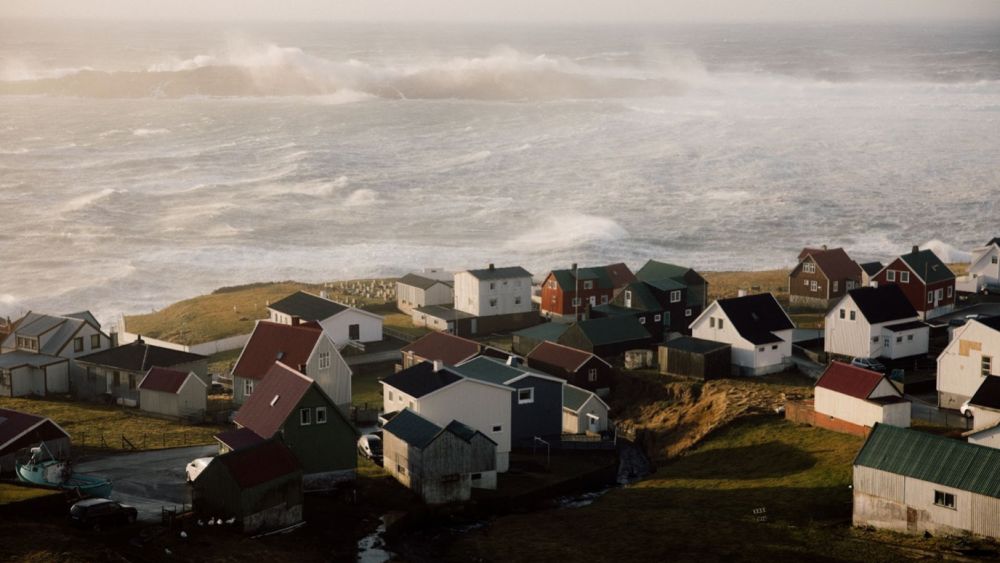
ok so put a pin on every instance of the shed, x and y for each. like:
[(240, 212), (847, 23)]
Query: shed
[(173, 393), (688, 356), (583, 412), (579, 368), (20, 430), (261, 486), (525, 340), (858, 398)]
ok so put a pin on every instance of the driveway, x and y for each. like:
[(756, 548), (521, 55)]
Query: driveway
[(985, 309), (148, 480)]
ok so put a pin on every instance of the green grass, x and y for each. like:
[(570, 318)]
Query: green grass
[(87, 423), (365, 386), (15, 493), (223, 362)]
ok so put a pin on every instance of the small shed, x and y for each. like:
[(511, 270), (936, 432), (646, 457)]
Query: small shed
[(173, 393), (852, 399), (261, 486), (688, 356), (20, 430), (583, 411)]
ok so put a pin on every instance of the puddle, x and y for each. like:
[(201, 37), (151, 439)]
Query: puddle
[(371, 548)]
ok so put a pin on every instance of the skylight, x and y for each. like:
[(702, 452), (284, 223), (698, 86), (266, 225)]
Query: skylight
[(275, 400)]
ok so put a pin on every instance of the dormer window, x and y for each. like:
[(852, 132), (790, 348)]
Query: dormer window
[(588, 285), (809, 267), (27, 343)]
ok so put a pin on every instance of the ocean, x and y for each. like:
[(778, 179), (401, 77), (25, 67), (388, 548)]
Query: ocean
[(141, 164)]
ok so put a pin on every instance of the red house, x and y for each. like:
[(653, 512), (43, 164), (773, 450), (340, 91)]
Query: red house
[(579, 368), (925, 280), (575, 291)]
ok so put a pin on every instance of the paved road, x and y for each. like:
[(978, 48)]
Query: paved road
[(148, 480)]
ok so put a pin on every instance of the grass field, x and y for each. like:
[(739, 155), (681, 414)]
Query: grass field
[(87, 423), (15, 493)]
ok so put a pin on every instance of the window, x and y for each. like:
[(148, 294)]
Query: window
[(944, 499), (813, 285), (247, 387), (78, 344), (588, 285), (604, 300), (890, 275), (553, 299), (493, 302), (324, 360), (899, 340), (805, 283), (390, 395), (687, 312), (526, 395), (950, 291), (809, 267), (711, 322), (320, 415), (850, 285), (930, 296), (95, 341), (938, 294), (993, 260), (875, 339), (854, 315), (354, 332), (836, 285), (774, 346), (592, 374), (720, 324), (497, 428), (552, 284), (116, 378), (909, 337), (131, 381), (576, 301), (642, 320), (628, 298), (400, 469), (843, 313), (493, 286), (305, 417), (987, 366), (477, 476), (762, 348), (904, 277), (675, 296), (517, 299), (657, 318)]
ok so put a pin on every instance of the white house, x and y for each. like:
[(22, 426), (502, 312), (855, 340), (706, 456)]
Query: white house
[(441, 395), (972, 355), (583, 411), (985, 408), (757, 328), (493, 291), (342, 323), (24, 373), (984, 270), (860, 397), (173, 393), (875, 322), (421, 290)]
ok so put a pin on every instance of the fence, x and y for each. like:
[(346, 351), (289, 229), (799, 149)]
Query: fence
[(138, 442), (204, 348)]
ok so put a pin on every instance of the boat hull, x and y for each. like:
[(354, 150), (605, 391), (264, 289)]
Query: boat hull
[(41, 474)]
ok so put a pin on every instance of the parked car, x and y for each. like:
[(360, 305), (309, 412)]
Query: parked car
[(956, 322), (195, 468), (869, 363), (98, 513), (370, 446)]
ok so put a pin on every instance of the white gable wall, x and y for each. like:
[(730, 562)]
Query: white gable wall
[(959, 371), (744, 353), (335, 379), (473, 296), (338, 326), (849, 337)]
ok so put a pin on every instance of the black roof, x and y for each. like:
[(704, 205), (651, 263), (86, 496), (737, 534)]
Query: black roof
[(412, 428), (909, 325), (872, 268), (421, 379), (416, 280), (696, 345), (992, 322), (139, 356), (988, 394), (307, 306), (882, 304), (994, 240), (466, 433), (756, 317), (494, 273)]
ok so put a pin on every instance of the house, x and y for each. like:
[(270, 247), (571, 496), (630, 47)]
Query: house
[(972, 355), (688, 356), (306, 347), (569, 295), (290, 405), (441, 464), (984, 270), (173, 393), (535, 397), (852, 400), (444, 318), (342, 323), (868, 271), (20, 431), (27, 373), (916, 482), (525, 340), (697, 286), (498, 298), (875, 322), (416, 290), (260, 486), (577, 367), (757, 328), (985, 408), (440, 394), (583, 412), (925, 280), (661, 306), (439, 346), (607, 337), (116, 372), (821, 277)]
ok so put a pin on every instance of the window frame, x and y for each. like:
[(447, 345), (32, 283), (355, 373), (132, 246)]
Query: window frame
[(317, 417), (942, 498), (324, 360), (675, 296), (530, 398), (93, 338), (78, 344), (305, 416), (890, 275), (904, 277), (247, 387), (986, 366)]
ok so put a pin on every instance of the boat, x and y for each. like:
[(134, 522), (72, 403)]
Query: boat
[(44, 469)]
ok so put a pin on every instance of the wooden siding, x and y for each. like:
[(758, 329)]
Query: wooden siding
[(190, 401), (713, 364), (474, 404), (916, 290)]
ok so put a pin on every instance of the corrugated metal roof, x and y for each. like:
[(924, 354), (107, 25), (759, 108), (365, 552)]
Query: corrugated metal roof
[(560, 355), (307, 306), (442, 346), (612, 330), (574, 397), (849, 380), (273, 400), (489, 370), (932, 458), (412, 428), (271, 342)]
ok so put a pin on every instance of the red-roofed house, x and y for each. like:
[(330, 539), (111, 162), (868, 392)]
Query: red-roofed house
[(173, 393), (858, 398), (822, 276), (578, 367), (439, 346), (20, 430), (295, 408), (305, 347)]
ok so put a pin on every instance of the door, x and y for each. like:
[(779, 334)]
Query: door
[(354, 332), (593, 300), (593, 423)]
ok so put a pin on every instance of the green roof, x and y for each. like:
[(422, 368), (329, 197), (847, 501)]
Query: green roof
[(666, 284), (642, 298), (412, 428), (654, 270), (928, 266), (485, 369), (599, 274), (613, 310), (932, 458), (611, 330), (545, 331), (574, 397)]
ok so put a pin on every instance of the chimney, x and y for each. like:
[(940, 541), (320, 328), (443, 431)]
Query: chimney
[(302, 369), (492, 267), (296, 321), (824, 247), (916, 249), (574, 266), (438, 365)]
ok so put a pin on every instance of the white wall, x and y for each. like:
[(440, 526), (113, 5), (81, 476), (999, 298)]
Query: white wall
[(958, 375), (858, 411), (849, 337), (335, 379), (338, 326), (913, 342), (989, 438), (744, 353), (409, 297), (57, 378), (191, 400), (578, 423), (473, 296), (983, 268)]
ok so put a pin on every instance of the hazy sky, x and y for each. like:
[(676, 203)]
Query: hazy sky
[(506, 10)]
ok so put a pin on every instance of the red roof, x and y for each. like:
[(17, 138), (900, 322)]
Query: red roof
[(272, 342), (850, 380), (259, 464), (18, 428), (834, 262), (239, 438), (273, 400), (564, 357), (163, 379), (442, 346), (620, 275)]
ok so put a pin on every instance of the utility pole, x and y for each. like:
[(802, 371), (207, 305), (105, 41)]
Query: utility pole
[(576, 294)]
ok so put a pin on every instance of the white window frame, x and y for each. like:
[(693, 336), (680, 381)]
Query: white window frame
[(890, 275), (576, 302), (247, 387), (950, 291), (836, 285), (687, 312), (604, 300), (986, 366), (930, 297), (588, 284), (942, 498), (320, 417), (526, 400), (711, 322), (642, 320), (675, 296), (904, 277), (813, 285), (592, 375), (657, 317), (324, 360), (720, 324), (843, 313), (809, 267), (305, 417), (854, 315)]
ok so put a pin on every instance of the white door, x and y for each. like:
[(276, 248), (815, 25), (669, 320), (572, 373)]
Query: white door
[(593, 300), (593, 423)]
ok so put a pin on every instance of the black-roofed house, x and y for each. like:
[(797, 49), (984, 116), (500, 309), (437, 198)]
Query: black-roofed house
[(757, 328), (875, 322), (916, 482), (607, 337), (688, 356), (583, 412), (868, 271), (661, 306), (259, 485), (984, 270), (972, 356), (340, 322), (985, 409), (440, 463), (925, 280), (116, 372), (421, 290), (20, 431), (440, 394)]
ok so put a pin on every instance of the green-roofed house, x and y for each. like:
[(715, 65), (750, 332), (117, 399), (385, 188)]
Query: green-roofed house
[(583, 411), (570, 294), (607, 337), (697, 296), (927, 282), (915, 482), (526, 339), (441, 464)]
